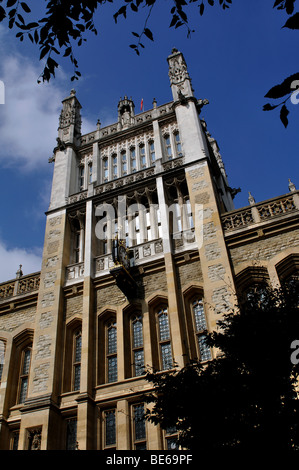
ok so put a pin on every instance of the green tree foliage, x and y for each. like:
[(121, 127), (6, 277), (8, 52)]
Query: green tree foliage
[(65, 24), (245, 398)]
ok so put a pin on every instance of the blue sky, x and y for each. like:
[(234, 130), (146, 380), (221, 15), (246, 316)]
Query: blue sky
[(233, 58)]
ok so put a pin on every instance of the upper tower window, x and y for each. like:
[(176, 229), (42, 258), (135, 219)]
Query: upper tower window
[(200, 327), (81, 177), (178, 144), (168, 149), (114, 166), (2, 353), (124, 163), (105, 169), (152, 152), (142, 156), (85, 172), (133, 159)]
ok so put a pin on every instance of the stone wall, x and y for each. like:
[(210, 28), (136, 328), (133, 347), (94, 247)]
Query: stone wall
[(264, 249), (15, 319)]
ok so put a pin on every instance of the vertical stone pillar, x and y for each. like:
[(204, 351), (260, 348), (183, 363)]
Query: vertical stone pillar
[(123, 427), (47, 351), (173, 307), (219, 290), (86, 422)]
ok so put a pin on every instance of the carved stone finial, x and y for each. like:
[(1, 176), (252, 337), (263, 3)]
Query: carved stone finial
[(251, 199), (292, 187), (19, 272), (73, 92)]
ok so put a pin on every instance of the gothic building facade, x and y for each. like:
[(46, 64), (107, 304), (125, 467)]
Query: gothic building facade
[(143, 251)]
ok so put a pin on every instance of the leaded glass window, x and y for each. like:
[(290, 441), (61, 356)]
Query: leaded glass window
[(200, 326), (24, 376), (137, 345), (139, 427), (110, 428), (171, 438), (164, 339), (77, 360), (71, 434), (204, 349), (111, 333), (2, 353), (90, 172), (199, 316)]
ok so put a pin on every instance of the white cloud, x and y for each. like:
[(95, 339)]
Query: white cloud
[(12, 258), (29, 117)]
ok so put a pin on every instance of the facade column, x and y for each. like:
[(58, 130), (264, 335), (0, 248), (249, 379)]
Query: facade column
[(123, 427), (173, 306), (85, 420)]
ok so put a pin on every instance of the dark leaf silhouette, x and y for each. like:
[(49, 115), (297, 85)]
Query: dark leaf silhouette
[(284, 88), (284, 115), (292, 22)]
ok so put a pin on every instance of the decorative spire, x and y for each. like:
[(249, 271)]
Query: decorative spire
[(292, 187), (70, 119), (179, 78)]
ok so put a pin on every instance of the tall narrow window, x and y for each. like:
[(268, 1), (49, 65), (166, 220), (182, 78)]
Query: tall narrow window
[(114, 165), (71, 434), (111, 351), (77, 239), (139, 432), (133, 159), (137, 345), (105, 169), (178, 144), (171, 437), (200, 326), (89, 172), (124, 163), (24, 375), (152, 152), (164, 339), (81, 177), (77, 360), (142, 156), (2, 353), (109, 429), (168, 147)]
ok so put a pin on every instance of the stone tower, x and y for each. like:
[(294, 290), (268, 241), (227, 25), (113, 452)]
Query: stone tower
[(143, 251)]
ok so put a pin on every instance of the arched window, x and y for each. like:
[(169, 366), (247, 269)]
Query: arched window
[(200, 329), (111, 351), (164, 339), (77, 345), (137, 345), (24, 374)]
